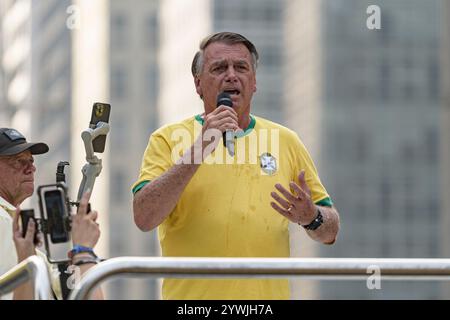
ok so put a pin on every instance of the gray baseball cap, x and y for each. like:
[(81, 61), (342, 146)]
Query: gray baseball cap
[(13, 142)]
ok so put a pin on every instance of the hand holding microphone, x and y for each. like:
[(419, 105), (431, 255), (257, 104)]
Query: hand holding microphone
[(223, 119), (224, 99)]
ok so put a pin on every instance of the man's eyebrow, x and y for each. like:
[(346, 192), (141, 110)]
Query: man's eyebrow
[(23, 157), (225, 62), (242, 62), (218, 63)]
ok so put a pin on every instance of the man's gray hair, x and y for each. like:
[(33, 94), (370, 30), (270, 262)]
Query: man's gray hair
[(229, 38)]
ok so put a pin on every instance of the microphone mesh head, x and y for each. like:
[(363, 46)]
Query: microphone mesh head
[(224, 99)]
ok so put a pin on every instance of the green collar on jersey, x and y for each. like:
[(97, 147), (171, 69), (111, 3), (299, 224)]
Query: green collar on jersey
[(250, 127)]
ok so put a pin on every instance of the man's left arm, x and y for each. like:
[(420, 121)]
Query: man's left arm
[(328, 230), (299, 208)]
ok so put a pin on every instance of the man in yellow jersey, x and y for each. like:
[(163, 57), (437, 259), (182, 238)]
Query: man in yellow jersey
[(211, 202)]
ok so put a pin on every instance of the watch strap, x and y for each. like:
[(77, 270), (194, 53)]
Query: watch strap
[(316, 223)]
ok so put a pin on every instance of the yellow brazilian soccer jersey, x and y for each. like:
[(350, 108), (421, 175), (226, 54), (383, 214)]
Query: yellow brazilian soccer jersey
[(225, 211)]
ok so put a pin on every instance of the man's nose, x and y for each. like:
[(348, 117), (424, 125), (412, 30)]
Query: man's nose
[(231, 74), (30, 168)]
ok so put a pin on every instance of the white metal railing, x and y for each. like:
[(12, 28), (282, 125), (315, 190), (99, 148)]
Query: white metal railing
[(321, 268), (32, 268)]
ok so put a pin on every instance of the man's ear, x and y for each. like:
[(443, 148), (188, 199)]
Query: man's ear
[(198, 88)]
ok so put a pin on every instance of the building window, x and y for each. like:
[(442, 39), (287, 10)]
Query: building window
[(432, 145), (151, 31), (119, 31), (120, 134), (244, 12), (408, 91), (151, 83), (272, 12), (385, 191), (118, 83), (270, 57), (118, 186), (385, 77), (433, 79)]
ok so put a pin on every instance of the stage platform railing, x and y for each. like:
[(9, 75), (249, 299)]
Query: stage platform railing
[(32, 268), (315, 268)]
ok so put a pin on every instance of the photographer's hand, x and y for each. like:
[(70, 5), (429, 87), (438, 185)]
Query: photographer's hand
[(25, 248), (24, 245), (85, 231)]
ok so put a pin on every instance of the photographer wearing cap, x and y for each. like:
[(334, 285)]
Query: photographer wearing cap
[(17, 184)]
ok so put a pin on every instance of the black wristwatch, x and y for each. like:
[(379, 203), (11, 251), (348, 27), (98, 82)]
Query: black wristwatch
[(317, 222)]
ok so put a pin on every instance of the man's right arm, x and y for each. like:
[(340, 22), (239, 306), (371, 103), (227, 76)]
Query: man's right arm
[(154, 202)]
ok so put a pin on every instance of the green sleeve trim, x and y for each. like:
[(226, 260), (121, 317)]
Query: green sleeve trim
[(140, 186), (325, 202)]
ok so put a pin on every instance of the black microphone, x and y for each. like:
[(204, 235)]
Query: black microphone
[(224, 99)]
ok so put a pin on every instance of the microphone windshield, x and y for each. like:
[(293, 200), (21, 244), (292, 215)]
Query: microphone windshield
[(224, 99)]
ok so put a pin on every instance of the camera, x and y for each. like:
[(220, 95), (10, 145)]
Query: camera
[(54, 221), (55, 218), (55, 209)]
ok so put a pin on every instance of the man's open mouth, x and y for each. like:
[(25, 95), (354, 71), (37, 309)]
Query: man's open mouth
[(232, 92)]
